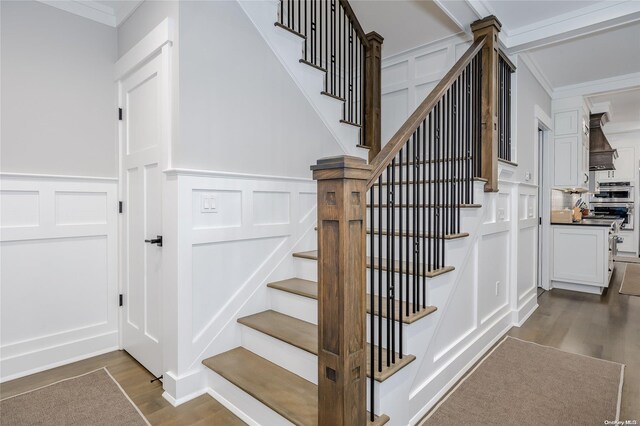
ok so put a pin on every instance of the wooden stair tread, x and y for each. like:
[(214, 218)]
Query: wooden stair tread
[(284, 27), (350, 123), (422, 235), (407, 267), (331, 95), (411, 206), (311, 64), (304, 335), (428, 181), (289, 395), (309, 289)]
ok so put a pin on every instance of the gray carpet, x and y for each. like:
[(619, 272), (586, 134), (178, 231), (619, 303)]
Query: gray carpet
[(631, 280), (526, 384), (91, 399)]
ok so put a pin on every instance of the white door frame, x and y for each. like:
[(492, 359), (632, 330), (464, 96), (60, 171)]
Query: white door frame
[(543, 121), (158, 42)]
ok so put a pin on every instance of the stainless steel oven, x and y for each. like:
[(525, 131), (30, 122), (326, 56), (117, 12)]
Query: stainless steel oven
[(614, 192), (607, 210)]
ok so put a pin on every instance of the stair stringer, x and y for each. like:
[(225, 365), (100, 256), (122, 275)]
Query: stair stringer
[(288, 49)]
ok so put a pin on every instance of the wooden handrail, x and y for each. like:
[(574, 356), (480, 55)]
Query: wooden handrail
[(354, 21), (395, 144), (507, 60)]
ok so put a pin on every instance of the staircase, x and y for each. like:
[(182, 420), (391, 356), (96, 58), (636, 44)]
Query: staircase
[(384, 230)]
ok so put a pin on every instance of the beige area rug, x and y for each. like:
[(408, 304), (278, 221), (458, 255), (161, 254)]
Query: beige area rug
[(93, 398), (523, 383), (631, 280)]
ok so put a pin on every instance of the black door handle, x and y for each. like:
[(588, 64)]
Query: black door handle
[(157, 241)]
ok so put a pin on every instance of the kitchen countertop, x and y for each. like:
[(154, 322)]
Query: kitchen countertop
[(590, 222)]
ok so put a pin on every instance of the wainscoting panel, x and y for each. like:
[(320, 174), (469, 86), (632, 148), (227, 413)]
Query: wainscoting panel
[(58, 240), (407, 78), (235, 234)]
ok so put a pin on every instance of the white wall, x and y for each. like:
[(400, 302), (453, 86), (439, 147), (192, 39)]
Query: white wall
[(528, 93), (58, 262), (58, 192), (145, 18), (58, 95), (239, 108)]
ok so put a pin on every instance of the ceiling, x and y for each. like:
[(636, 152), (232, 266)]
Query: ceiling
[(515, 14), (421, 22), (624, 106), (591, 57), (121, 9)]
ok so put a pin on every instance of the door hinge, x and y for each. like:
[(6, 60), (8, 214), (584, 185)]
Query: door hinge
[(120, 204), (120, 114), (540, 221), (120, 300)]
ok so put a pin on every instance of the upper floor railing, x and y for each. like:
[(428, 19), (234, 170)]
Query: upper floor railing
[(505, 69), (335, 43)]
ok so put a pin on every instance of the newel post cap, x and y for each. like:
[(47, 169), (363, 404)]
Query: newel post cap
[(343, 166), (487, 22), (374, 36)]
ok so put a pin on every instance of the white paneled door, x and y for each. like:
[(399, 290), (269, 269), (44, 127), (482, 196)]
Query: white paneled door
[(141, 151)]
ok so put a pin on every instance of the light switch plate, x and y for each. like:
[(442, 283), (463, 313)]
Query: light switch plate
[(208, 204)]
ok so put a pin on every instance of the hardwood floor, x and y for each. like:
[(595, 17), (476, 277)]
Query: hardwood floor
[(606, 327), (135, 380)]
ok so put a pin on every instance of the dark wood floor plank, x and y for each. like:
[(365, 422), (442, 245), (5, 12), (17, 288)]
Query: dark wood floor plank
[(606, 327), (135, 380)]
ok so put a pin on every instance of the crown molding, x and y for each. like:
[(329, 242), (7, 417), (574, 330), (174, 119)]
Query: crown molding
[(539, 75), (95, 11), (594, 87), (587, 20), (623, 127)]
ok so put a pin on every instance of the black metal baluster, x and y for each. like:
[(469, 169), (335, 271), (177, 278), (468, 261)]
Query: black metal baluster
[(378, 265), (372, 300), (414, 219), (391, 304), (407, 276), (389, 213), (423, 209), (429, 229), (400, 243)]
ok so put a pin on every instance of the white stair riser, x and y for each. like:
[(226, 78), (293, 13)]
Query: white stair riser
[(242, 404), (294, 359)]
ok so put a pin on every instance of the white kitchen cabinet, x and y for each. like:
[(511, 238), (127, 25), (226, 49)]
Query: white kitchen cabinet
[(629, 244), (625, 167), (571, 144), (580, 258)]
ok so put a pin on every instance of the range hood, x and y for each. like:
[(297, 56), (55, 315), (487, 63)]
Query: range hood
[(601, 155)]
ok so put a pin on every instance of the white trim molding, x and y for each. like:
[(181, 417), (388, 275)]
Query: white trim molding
[(58, 238), (96, 11), (583, 21), (611, 84), (150, 45)]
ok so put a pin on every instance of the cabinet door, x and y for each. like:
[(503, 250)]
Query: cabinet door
[(580, 254), (566, 162), (628, 244), (625, 168)]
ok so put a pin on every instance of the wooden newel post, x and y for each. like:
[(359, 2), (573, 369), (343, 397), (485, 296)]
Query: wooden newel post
[(342, 368), (373, 94), (489, 27)]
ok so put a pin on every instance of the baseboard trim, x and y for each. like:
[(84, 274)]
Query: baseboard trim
[(34, 362), (529, 307)]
